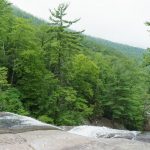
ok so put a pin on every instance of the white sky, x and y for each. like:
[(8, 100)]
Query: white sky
[(116, 20)]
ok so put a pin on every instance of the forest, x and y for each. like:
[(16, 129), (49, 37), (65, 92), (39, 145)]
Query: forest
[(64, 77)]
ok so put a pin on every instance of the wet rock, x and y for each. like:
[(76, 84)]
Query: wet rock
[(145, 137), (103, 132), (13, 123)]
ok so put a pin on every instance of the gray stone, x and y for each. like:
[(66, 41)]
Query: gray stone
[(13, 123), (25, 133), (144, 137), (60, 140)]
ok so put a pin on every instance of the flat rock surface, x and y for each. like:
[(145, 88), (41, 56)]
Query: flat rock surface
[(60, 140)]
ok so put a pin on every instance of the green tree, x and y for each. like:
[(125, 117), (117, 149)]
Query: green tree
[(5, 23), (9, 97), (34, 81), (21, 38), (67, 108), (84, 75), (64, 43), (3, 78), (84, 78), (122, 97), (146, 64)]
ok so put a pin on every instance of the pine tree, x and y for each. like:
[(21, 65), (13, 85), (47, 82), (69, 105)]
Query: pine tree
[(65, 42)]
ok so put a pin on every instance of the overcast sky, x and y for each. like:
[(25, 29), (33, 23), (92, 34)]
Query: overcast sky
[(116, 20)]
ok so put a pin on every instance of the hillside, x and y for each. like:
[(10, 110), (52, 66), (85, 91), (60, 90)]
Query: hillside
[(63, 77), (131, 51), (96, 44), (20, 13)]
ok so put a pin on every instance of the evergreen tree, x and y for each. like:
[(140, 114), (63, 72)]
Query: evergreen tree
[(65, 43)]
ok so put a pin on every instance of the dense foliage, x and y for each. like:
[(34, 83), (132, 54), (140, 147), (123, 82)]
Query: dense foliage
[(60, 76)]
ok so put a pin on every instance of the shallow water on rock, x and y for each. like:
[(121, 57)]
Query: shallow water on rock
[(103, 132), (10, 122)]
